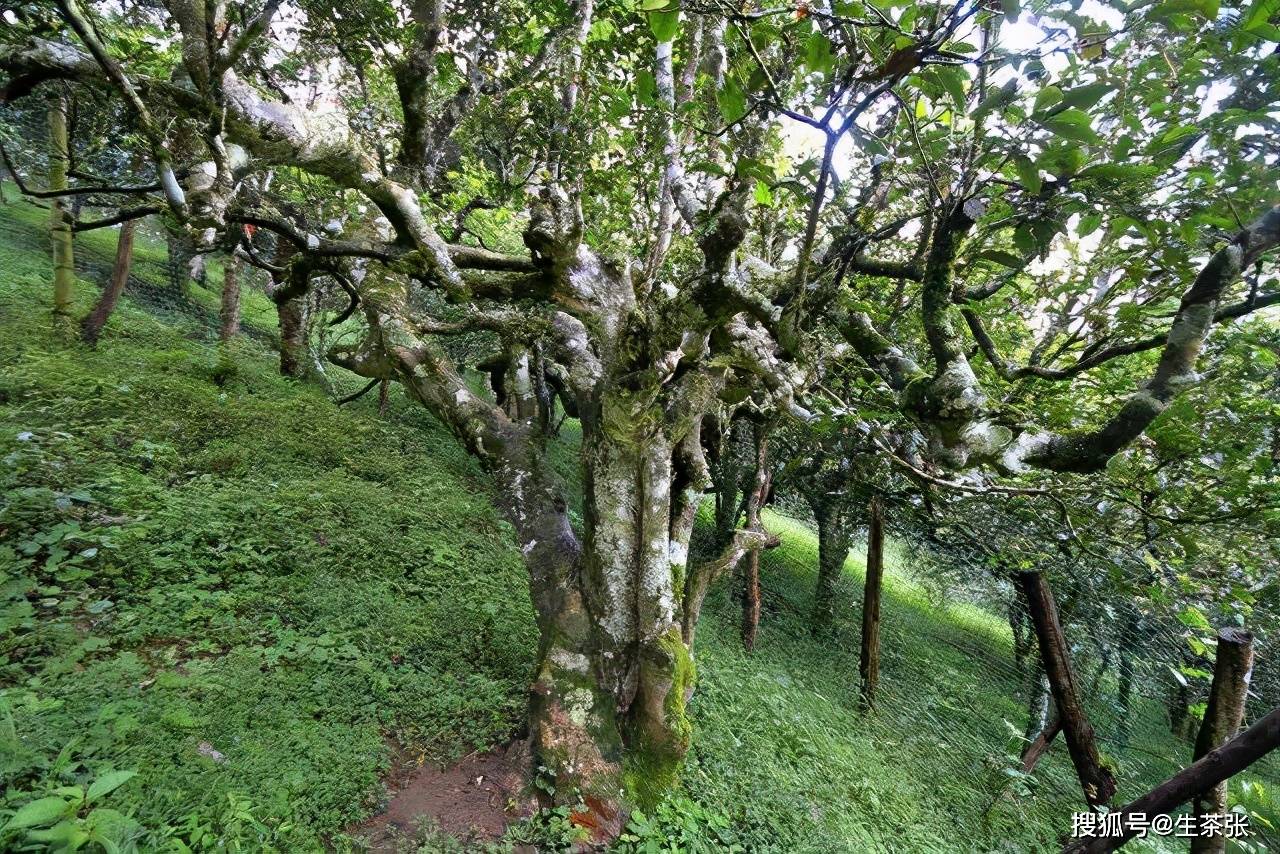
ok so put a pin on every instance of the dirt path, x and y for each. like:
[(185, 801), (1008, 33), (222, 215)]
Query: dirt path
[(473, 800)]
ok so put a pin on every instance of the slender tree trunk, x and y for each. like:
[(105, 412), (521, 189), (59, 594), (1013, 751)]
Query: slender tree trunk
[(64, 266), (1222, 718), (384, 396), (726, 479), (755, 502), (833, 549), (1217, 766), (1095, 778), (229, 312), (869, 662), (91, 326)]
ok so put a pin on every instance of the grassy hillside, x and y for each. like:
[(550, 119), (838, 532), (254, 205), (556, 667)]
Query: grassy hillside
[(251, 597)]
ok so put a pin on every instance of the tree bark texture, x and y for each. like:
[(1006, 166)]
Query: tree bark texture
[(229, 311), (1223, 715), (1217, 766), (869, 661), (91, 326), (1095, 778)]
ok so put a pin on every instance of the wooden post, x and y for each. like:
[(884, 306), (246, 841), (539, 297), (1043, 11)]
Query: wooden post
[(869, 662), (64, 267), (95, 320), (1095, 778), (1216, 766), (1222, 718)]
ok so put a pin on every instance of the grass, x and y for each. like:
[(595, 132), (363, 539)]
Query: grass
[(242, 566), (250, 597)]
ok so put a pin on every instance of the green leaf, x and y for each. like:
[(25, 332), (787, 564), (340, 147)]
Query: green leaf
[(1046, 98), (1025, 240), (1084, 97), (817, 53), (1007, 259), (665, 25), (764, 196), (1193, 619), (1089, 224), (656, 5), (952, 80), (1028, 174), (1072, 124), (732, 101), (41, 812), (109, 782), (1260, 13)]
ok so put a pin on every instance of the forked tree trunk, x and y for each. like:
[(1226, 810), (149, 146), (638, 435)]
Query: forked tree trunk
[(64, 267), (91, 326), (1217, 766), (229, 311), (869, 661), (1095, 778), (1222, 718)]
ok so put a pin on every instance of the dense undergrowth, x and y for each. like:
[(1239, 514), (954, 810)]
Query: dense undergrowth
[(250, 597)]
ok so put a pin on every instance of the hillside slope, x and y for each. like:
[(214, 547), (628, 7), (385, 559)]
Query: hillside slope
[(252, 597)]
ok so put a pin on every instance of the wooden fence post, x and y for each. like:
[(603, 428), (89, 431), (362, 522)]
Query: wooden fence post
[(1222, 718), (869, 663), (1095, 778)]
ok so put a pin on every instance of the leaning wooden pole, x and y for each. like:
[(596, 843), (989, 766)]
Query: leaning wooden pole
[(1095, 778), (1215, 767), (95, 320), (64, 267), (869, 661), (1222, 718)]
